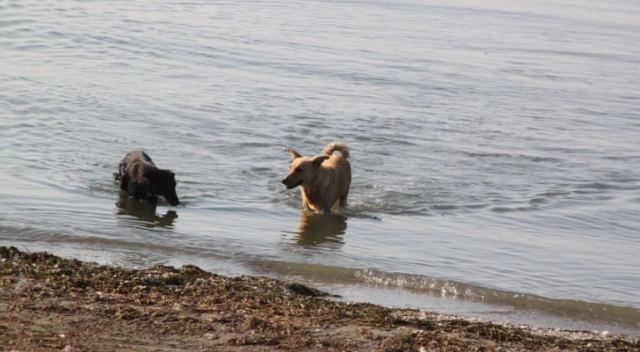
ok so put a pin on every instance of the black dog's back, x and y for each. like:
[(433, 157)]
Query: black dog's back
[(130, 158)]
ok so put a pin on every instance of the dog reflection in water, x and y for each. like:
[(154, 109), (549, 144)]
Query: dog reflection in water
[(144, 212), (317, 229)]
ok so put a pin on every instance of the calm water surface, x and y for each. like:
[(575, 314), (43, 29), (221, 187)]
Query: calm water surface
[(495, 146)]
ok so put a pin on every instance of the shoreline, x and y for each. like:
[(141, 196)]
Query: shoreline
[(49, 303)]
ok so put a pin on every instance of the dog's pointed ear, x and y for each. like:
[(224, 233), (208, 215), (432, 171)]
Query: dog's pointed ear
[(294, 153), (317, 161)]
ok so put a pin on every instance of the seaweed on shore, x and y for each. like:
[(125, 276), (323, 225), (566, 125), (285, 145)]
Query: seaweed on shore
[(48, 303)]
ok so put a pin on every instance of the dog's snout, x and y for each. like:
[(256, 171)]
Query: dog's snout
[(172, 198), (284, 181)]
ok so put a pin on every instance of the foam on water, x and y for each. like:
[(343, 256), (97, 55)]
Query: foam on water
[(478, 301)]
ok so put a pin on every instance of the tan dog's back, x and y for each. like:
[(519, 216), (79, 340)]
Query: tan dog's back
[(338, 172)]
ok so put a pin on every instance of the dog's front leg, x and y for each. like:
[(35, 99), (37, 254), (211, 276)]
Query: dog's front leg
[(124, 183), (305, 200), (132, 187), (306, 205), (121, 171), (138, 190)]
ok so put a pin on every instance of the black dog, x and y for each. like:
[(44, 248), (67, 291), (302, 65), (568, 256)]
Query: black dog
[(140, 177)]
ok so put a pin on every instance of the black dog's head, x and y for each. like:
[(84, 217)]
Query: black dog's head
[(163, 183)]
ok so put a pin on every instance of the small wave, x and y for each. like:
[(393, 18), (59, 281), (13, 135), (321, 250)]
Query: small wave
[(511, 209), (601, 186), (108, 245), (595, 185), (447, 288), (257, 145), (4, 23), (535, 201), (445, 207), (383, 207), (574, 309), (369, 200), (553, 194), (536, 159)]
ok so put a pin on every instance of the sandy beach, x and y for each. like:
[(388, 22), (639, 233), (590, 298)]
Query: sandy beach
[(48, 303)]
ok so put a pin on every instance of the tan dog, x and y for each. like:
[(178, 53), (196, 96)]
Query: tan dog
[(323, 180)]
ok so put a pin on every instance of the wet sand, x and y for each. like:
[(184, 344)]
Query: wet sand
[(48, 303)]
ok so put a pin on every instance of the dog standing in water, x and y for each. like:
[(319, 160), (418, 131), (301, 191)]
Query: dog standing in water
[(323, 179), (140, 177)]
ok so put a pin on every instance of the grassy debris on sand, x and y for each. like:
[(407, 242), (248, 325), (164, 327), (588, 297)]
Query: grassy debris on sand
[(48, 303)]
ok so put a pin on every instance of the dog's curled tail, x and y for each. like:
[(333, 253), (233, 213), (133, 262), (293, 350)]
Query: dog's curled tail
[(341, 147)]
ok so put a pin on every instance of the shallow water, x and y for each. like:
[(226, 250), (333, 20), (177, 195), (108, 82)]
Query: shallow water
[(495, 147)]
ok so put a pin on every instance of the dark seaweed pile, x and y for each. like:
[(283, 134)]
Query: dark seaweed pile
[(49, 303)]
